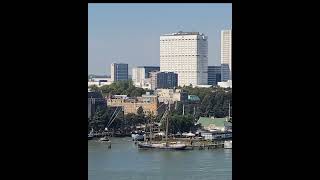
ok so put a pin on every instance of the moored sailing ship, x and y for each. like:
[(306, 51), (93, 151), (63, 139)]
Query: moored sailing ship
[(166, 144)]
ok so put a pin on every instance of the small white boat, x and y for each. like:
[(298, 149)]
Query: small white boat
[(104, 139), (190, 134), (90, 135), (137, 136), (228, 144)]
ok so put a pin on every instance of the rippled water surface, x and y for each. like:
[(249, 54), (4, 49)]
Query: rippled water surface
[(125, 161)]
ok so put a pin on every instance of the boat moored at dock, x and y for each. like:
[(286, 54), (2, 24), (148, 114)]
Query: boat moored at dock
[(176, 146), (90, 135), (162, 145), (105, 138), (138, 135), (228, 144)]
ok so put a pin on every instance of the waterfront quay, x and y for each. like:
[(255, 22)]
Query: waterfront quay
[(196, 144), (192, 144)]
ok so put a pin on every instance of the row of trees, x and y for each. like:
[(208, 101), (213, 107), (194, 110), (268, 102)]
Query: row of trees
[(179, 123), (213, 102), (104, 115), (119, 87), (128, 122)]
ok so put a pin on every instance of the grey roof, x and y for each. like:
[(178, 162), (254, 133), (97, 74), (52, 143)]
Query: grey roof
[(148, 66), (181, 33)]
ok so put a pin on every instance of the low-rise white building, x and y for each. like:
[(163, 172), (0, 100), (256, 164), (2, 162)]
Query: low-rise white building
[(218, 135), (99, 81), (141, 76), (202, 86), (225, 84), (145, 84)]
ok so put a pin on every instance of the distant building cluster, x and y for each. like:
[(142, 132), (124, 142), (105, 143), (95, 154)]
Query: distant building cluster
[(163, 80), (183, 62), (99, 81), (141, 76)]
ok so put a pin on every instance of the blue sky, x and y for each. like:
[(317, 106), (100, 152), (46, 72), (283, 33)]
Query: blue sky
[(129, 33)]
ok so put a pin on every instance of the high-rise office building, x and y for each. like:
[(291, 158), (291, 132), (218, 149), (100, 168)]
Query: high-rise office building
[(214, 75), (185, 53), (163, 79), (119, 72), (226, 55), (140, 74)]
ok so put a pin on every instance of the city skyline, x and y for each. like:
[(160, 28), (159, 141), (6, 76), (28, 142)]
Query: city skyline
[(129, 33)]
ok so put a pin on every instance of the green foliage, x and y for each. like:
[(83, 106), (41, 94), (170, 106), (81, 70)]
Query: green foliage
[(122, 87), (140, 115), (214, 101), (140, 111), (179, 108), (179, 123), (132, 119), (94, 88), (99, 120), (200, 92)]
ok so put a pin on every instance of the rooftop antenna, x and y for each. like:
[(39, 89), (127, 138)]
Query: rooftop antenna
[(193, 29), (114, 60), (180, 28)]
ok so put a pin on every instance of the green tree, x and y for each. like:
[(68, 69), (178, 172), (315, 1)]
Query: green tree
[(179, 109), (99, 120), (179, 123), (132, 120), (141, 116), (214, 101), (122, 87), (205, 104), (140, 111), (94, 88)]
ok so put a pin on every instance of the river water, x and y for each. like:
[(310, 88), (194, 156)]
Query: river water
[(125, 161)]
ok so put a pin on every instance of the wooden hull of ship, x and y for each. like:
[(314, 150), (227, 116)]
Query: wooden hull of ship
[(162, 146)]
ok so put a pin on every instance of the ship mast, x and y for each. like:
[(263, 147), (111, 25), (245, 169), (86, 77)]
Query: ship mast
[(229, 109), (167, 125), (145, 131), (151, 128), (183, 109)]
